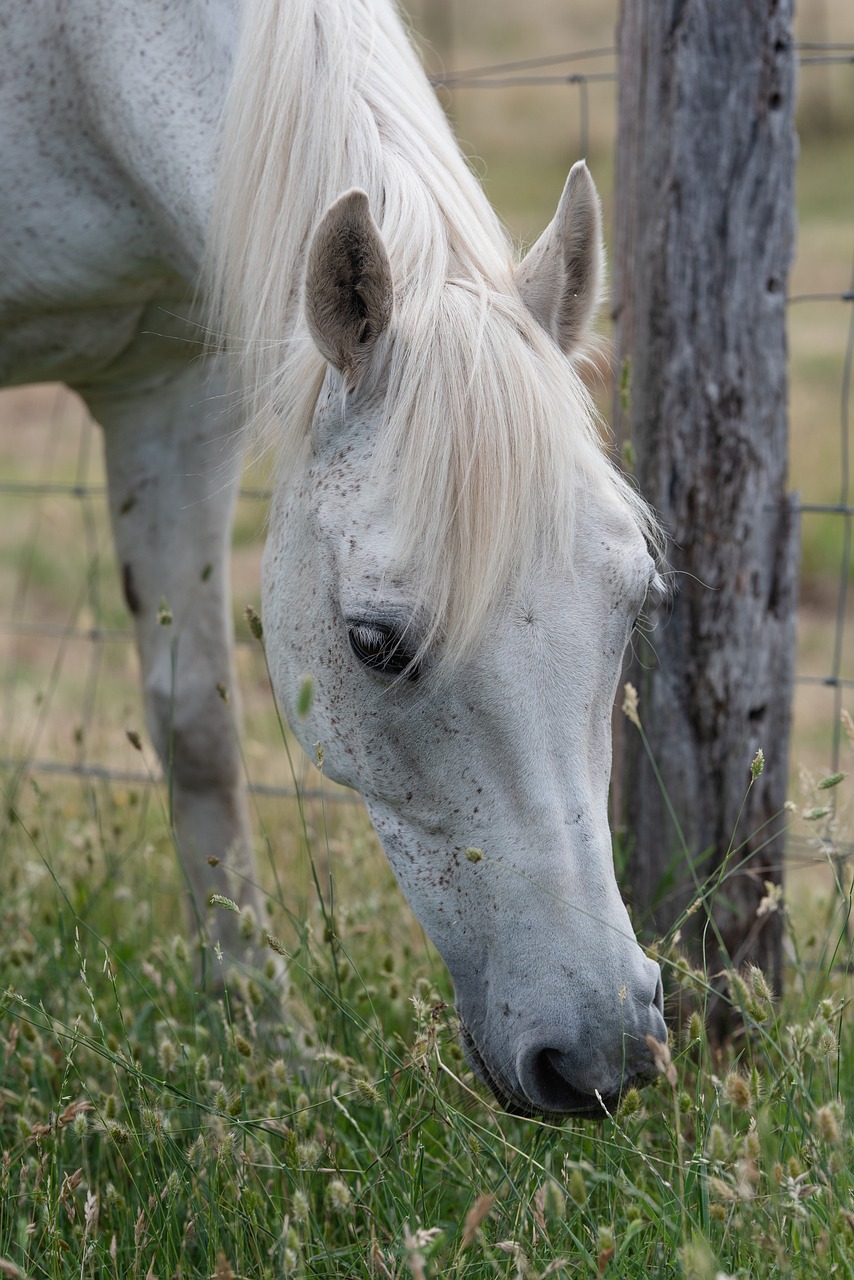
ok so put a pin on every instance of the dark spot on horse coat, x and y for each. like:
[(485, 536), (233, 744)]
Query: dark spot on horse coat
[(130, 593)]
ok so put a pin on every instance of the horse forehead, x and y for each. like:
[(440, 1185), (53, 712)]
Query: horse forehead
[(353, 504), (356, 506)]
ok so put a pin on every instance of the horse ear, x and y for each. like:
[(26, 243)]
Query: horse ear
[(348, 287), (561, 277)]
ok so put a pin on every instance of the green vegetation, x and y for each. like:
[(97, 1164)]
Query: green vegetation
[(147, 1130)]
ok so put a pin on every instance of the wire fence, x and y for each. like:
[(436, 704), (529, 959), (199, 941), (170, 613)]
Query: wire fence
[(96, 623)]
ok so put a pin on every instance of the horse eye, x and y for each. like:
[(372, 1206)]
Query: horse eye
[(381, 649)]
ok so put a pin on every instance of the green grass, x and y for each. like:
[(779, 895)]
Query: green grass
[(148, 1130)]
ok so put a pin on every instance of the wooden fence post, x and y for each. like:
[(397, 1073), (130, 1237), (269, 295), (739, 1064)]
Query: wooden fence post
[(704, 237)]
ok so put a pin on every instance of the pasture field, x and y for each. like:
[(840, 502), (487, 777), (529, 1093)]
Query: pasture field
[(147, 1130), (150, 1131)]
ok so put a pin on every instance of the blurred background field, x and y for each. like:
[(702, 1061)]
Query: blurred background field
[(67, 700)]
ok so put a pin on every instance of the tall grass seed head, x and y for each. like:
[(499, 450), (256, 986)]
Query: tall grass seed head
[(829, 1009), (554, 1200), (739, 990), (254, 621), (151, 1120), (630, 704), (716, 1144), (290, 1261), (756, 1083), (197, 1151), (606, 1243), (300, 1206), (119, 1133), (661, 1056), (225, 1150), (90, 1214), (167, 1056), (737, 1091), (751, 993), (577, 1187), (630, 1104), (366, 1093), (847, 725), (303, 1117), (772, 901), (759, 983), (752, 1143), (476, 1216), (605, 1237), (698, 1261), (337, 1196), (308, 1154), (828, 1122), (826, 1045)]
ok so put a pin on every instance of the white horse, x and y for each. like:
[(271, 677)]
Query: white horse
[(452, 558)]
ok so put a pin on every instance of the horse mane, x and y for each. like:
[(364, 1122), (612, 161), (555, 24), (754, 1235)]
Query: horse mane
[(487, 427)]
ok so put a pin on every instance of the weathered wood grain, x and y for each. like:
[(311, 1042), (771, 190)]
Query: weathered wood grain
[(704, 241)]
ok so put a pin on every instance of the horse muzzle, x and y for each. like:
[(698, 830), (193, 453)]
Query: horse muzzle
[(581, 1073)]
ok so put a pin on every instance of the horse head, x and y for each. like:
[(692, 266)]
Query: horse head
[(463, 617)]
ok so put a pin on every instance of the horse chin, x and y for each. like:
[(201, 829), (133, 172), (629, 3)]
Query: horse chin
[(578, 1106)]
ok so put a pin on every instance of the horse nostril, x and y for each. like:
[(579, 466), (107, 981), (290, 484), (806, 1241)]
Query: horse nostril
[(546, 1084), (548, 1081)]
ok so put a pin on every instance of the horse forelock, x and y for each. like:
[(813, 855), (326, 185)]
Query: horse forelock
[(487, 431), (489, 435)]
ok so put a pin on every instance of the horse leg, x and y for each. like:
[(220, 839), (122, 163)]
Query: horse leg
[(173, 471)]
